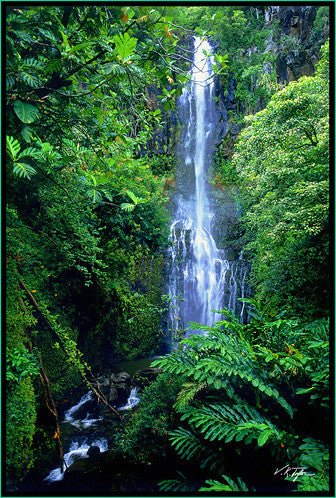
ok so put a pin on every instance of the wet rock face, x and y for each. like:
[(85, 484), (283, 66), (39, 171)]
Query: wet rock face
[(297, 50), (297, 21), (116, 387)]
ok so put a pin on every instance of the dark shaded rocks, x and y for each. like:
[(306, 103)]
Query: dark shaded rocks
[(116, 387), (120, 387), (143, 378), (90, 464), (298, 44), (93, 453)]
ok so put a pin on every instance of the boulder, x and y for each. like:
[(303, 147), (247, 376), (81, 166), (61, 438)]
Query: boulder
[(120, 387), (113, 394), (93, 452), (103, 381), (121, 377)]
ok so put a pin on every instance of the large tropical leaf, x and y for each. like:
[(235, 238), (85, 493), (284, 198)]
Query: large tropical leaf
[(24, 170), (12, 147), (27, 113), (125, 46)]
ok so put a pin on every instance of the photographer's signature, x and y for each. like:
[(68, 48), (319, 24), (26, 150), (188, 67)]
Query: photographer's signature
[(288, 471)]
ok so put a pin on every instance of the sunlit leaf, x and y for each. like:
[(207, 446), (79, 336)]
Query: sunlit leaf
[(125, 46), (12, 147)]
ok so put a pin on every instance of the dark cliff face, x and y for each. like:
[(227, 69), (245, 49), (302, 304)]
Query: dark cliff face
[(296, 35)]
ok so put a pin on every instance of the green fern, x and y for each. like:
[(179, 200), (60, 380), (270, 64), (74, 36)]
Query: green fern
[(230, 485), (186, 443), (175, 485), (248, 378), (219, 422), (222, 357), (188, 392), (125, 46), (127, 206), (314, 460)]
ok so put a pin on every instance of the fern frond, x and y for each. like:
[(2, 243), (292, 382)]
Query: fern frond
[(188, 392), (185, 443), (315, 460), (240, 422), (219, 487), (177, 485)]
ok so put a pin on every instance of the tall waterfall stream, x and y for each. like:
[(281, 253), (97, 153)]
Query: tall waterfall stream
[(201, 277)]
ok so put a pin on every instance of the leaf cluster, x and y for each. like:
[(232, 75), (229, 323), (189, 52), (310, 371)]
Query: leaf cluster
[(241, 386)]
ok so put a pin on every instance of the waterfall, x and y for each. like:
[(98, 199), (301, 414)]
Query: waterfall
[(201, 278)]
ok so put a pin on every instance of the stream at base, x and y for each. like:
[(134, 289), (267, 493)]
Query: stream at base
[(78, 445)]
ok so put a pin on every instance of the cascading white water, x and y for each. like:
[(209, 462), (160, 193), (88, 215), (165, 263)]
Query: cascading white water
[(79, 447), (77, 450), (132, 400), (69, 415), (201, 278)]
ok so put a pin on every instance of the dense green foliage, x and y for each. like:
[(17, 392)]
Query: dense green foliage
[(247, 387), (282, 159), (86, 219), (145, 436), (89, 92)]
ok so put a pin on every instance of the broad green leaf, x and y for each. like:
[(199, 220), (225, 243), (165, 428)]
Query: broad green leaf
[(30, 79), (24, 170), (80, 46), (132, 196), (126, 206), (29, 152), (54, 65), (27, 113), (94, 194), (12, 146), (10, 81), (125, 46), (65, 40), (27, 133), (263, 437)]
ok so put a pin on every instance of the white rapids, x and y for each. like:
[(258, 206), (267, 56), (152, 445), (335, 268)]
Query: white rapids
[(80, 445)]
